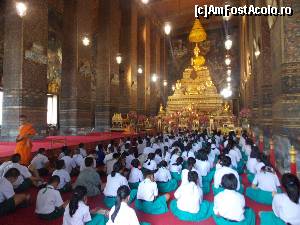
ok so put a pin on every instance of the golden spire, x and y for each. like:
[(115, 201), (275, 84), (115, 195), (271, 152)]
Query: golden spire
[(197, 33)]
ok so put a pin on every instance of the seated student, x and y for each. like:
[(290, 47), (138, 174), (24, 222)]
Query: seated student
[(232, 158), (163, 178), (264, 186), (148, 200), (49, 204), (129, 159), (261, 162), (25, 180), (174, 155), (158, 156), (69, 162), (286, 206), (62, 153), (114, 181), (150, 164), (224, 169), (110, 163), (40, 162), (64, 177), (78, 212), (148, 149), (187, 153), (188, 205), (89, 178), (251, 163), (122, 213), (190, 167), (9, 201), (109, 154), (136, 175), (100, 155), (78, 159), (203, 167), (166, 154), (176, 169), (229, 205), (82, 151)]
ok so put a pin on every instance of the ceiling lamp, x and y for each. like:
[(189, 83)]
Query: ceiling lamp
[(140, 69), (165, 83), (21, 8), (228, 79), (257, 53), (228, 72), (173, 87), (154, 78), (226, 92), (227, 17), (85, 41), (228, 43), (227, 60), (167, 28), (145, 1), (119, 58)]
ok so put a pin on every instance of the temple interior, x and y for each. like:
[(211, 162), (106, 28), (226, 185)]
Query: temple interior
[(113, 69)]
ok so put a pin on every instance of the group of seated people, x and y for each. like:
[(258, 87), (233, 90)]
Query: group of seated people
[(145, 172)]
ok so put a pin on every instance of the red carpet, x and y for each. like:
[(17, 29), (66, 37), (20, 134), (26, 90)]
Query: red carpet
[(7, 148), (26, 216)]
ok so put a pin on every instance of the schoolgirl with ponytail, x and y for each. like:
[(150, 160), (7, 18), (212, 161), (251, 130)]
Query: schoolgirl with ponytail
[(187, 152), (286, 206), (190, 167), (166, 154), (174, 155), (150, 164)]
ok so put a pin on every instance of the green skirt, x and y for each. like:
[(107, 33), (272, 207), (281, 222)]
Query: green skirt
[(165, 187), (249, 219), (250, 177), (184, 165), (240, 167), (134, 185), (209, 177), (206, 210), (176, 176), (109, 202), (257, 195), (267, 218), (205, 187), (220, 189), (244, 156), (159, 206), (98, 219)]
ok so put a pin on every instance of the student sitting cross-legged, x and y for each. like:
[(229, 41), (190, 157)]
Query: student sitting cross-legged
[(189, 205), (49, 204), (114, 181), (163, 178), (64, 177), (150, 164), (40, 162), (286, 206), (9, 201), (136, 175), (229, 205), (176, 169), (203, 168), (264, 186), (148, 200)]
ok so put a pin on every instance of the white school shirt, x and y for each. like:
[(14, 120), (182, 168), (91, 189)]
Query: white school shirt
[(242, 142), (174, 158), (125, 216), (140, 148), (233, 160), (78, 159), (266, 181), (285, 209), (24, 173), (185, 155), (185, 178), (64, 177), (147, 190), (189, 197), (150, 166), (135, 175), (110, 166), (47, 200), (128, 161), (162, 175), (251, 164), (113, 184), (3, 168), (167, 157), (6, 190), (82, 167), (148, 150), (175, 168), (69, 163), (234, 155), (80, 217), (258, 167), (203, 167), (155, 146), (83, 152), (230, 205), (247, 150), (223, 171), (108, 157), (61, 155), (39, 161), (157, 159)]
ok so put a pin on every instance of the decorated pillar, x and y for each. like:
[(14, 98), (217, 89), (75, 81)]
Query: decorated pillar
[(147, 73), (25, 66), (293, 162)]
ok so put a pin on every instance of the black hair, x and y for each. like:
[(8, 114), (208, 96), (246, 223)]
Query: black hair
[(12, 173), (53, 179), (225, 161), (116, 155), (193, 177), (41, 150), (267, 169), (174, 151), (166, 149), (77, 196), (127, 146), (254, 152), (59, 164), (81, 145), (291, 184), (116, 168), (148, 173), (202, 155), (190, 163), (179, 161), (150, 157), (229, 181), (88, 161), (158, 152), (122, 193), (135, 163), (16, 158), (162, 164), (64, 149)]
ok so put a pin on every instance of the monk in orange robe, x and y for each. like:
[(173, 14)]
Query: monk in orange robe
[(24, 144)]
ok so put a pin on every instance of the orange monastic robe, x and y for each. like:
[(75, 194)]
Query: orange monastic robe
[(24, 147)]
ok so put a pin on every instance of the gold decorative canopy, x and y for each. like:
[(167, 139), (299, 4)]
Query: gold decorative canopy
[(197, 33)]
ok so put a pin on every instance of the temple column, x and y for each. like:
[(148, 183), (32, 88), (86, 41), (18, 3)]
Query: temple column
[(153, 70), (147, 70), (25, 67), (75, 99)]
